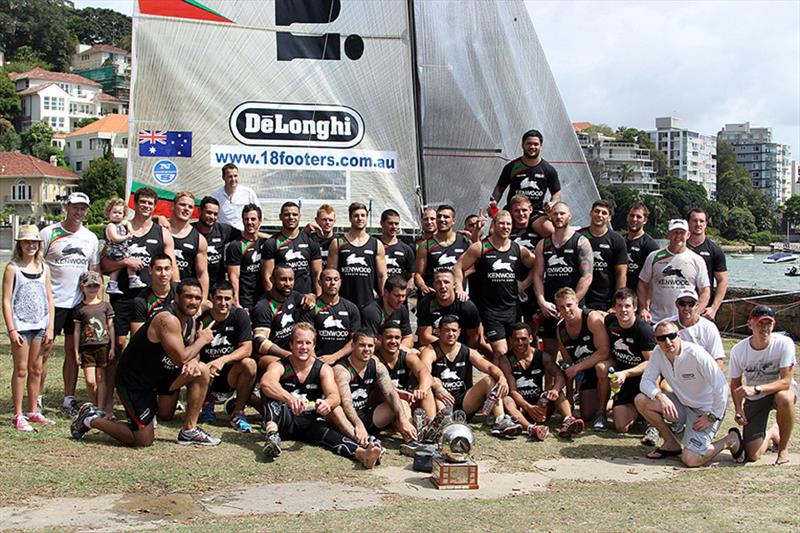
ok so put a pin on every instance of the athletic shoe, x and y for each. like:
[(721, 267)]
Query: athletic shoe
[(38, 418), (240, 423), (207, 414), (219, 397), (600, 423), (197, 437), (230, 404), (179, 406), (113, 287), (410, 448), (650, 437), (272, 444), (135, 282), (570, 426), (434, 430), (538, 431), (420, 419), (77, 428), (506, 427), (71, 410), (21, 423)]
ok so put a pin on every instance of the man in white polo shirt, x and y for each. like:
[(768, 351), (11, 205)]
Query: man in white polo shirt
[(696, 328), (765, 360), (69, 250), (233, 197)]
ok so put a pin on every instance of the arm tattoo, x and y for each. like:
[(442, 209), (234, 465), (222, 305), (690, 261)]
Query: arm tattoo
[(585, 257), (387, 388), (346, 401)]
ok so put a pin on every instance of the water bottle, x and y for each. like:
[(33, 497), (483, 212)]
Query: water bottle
[(612, 377), (311, 406), (542, 403), (490, 402)]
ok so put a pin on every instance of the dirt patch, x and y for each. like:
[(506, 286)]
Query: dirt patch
[(170, 506)]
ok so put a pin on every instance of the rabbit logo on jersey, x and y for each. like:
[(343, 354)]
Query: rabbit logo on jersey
[(356, 265)]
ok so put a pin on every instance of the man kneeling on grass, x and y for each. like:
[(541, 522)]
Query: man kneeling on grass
[(160, 359), (302, 391), (695, 407)]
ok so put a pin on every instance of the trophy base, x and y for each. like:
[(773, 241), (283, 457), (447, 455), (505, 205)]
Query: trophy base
[(454, 476)]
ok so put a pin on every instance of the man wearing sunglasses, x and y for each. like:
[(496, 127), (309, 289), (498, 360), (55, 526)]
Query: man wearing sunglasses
[(695, 406), (696, 328)]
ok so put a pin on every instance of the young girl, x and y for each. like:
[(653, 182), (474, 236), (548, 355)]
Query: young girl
[(94, 329), (118, 232), (28, 310)]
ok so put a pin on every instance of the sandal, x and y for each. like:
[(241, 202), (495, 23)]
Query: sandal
[(661, 453), (740, 452), (779, 462)]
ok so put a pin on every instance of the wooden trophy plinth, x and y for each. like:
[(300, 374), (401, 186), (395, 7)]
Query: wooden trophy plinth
[(450, 476)]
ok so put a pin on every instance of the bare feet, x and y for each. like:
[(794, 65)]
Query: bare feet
[(369, 456)]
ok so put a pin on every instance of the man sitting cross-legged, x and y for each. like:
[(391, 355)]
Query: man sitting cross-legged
[(408, 374), (302, 391)]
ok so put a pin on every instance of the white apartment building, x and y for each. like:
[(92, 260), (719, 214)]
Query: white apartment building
[(60, 99), (623, 163), (89, 56), (691, 154), (769, 163), (90, 142)]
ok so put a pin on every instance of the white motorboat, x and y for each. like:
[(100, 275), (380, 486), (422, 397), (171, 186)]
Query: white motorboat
[(780, 257)]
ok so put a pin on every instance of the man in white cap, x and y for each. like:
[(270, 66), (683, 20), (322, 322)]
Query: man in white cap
[(765, 360), (696, 328), (667, 272), (69, 250)]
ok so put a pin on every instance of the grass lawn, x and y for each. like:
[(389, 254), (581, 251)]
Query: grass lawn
[(49, 463)]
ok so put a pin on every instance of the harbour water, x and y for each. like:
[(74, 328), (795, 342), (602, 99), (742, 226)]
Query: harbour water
[(752, 273)]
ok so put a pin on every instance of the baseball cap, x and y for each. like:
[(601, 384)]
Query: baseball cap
[(761, 312), (688, 292), (78, 198), (91, 277), (678, 223)]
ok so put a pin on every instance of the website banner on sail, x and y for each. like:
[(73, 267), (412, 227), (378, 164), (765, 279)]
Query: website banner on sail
[(312, 100)]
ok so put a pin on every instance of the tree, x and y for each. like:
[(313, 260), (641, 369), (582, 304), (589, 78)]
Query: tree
[(9, 140), (86, 121), (726, 158), (10, 103), (717, 214), (683, 194), (100, 26), (103, 179), (626, 134), (791, 211), (602, 129), (40, 24), (741, 223), (38, 142), (661, 212), (625, 172)]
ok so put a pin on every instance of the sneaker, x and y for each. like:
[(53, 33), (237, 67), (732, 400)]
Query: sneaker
[(230, 404), (434, 429), (196, 436), (207, 414), (506, 427), (538, 431), (135, 282), (272, 444), (21, 423), (113, 287), (570, 426), (77, 428), (410, 448), (420, 419), (179, 406), (38, 418), (600, 423), (650, 437), (71, 410), (240, 423)]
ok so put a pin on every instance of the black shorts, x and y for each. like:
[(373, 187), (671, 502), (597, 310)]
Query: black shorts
[(220, 383), (551, 406), (546, 326), (123, 314), (141, 406), (367, 418), (64, 321), (757, 414), (589, 381), (497, 328), (164, 387), (628, 392), (459, 396)]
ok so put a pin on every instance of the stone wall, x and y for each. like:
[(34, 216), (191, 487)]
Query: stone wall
[(732, 315)]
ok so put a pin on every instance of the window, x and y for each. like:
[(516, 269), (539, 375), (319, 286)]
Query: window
[(21, 191), (78, 166), (125, 142), (78, 145)]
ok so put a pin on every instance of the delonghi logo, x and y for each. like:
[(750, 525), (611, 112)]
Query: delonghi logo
[(272, 124)]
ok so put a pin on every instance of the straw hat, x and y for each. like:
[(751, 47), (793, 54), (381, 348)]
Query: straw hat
[(28, 232)]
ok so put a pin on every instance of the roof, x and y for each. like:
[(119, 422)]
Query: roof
[(34, 90), (103, 97), (106, 48), (110, 123), (59, 135), (580, 126), (17, 165), (42, 74)]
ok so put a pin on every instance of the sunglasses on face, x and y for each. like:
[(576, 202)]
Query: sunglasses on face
[(686, 303), (671, 336)]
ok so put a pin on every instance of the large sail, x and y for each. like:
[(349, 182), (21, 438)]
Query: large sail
[(484, 80), (313, 100)]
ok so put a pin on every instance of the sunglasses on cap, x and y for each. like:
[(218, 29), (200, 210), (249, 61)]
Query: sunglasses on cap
[(671, 336)]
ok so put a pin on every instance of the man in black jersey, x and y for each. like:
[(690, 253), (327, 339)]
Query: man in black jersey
[(714, 258), (292, 247), (528, 372), (524, 235), (409, 375), (228, 355), (451, 363), (563, 260), (321, 230), (389, 308), (217, 235), (442, 302), (610, 258), (428, 226), (161, 358), (631, 341), (303, 390), (441, 251), (534, 177), (496, 261), (638, 243), (360, 376), (335, 320), (243, 260), (583, 343), (191, 248), (400, 257), (159, 294), (359, 258)]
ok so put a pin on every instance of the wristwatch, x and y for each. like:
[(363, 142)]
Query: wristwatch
[(712, 417), (757, 388)]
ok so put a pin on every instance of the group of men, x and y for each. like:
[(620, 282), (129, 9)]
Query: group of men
[(312, 328)]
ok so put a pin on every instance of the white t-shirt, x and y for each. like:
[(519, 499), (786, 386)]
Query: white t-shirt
[(68, 255), (704, 333), (760, 367), (694, 377), (668, 274), (230, 207)]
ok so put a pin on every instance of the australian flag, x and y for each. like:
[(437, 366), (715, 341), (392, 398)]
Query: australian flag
[(158, 143)]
